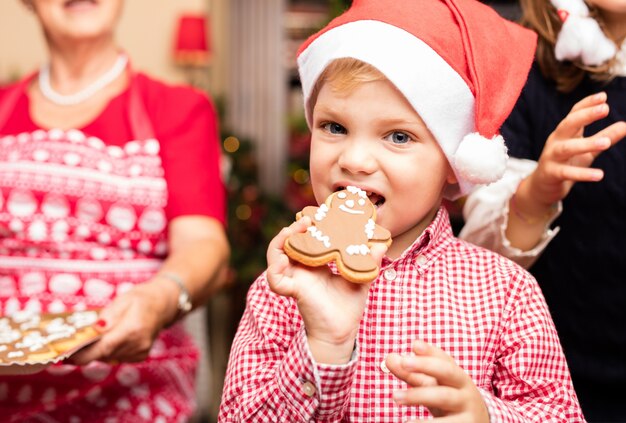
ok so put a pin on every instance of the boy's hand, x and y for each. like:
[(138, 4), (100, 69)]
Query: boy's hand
[(331, 307), (439, 384), (567, 155)]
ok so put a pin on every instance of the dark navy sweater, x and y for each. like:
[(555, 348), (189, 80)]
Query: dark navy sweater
[(582, 272)]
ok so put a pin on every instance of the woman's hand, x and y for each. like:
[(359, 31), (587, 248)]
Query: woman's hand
[(438, 383), (131, 323), (331, 307), (567, 155)]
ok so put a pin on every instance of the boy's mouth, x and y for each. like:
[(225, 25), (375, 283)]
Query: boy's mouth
[(376, 199)]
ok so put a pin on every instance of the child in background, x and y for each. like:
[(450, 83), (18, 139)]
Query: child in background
[(563, 136), (398, 97)]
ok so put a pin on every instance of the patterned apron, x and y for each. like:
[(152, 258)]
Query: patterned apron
[(82, 222)]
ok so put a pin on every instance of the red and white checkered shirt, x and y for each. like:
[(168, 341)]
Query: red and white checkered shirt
[(482, 309)]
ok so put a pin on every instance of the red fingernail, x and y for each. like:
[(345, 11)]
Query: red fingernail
[(101, 323)]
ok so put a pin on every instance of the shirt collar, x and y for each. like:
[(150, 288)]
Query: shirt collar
[(429, 244)]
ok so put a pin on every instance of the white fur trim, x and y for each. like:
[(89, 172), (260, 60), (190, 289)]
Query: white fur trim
[(573, 7), (434, 89), (581, 36), (480, 160)]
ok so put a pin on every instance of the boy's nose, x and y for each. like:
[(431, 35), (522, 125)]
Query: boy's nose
[(357, 157)]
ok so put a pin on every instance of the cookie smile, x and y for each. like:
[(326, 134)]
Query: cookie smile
[(347, 210)]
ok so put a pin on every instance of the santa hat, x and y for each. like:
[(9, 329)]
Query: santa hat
[(458, 63), (580, 36)]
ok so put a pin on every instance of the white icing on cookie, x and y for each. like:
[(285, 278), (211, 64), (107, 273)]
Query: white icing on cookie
[(321, 212), (347, 210), (317, 234), (361, 249), (369, 228)]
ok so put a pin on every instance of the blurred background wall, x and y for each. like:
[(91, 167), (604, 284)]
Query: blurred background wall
[(146, 31)]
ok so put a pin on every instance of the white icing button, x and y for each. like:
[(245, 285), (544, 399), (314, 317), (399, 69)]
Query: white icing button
[(390, 274), (421, 260), (383, 366), (308, 388)]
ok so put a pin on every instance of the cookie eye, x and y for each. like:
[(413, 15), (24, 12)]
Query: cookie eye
[(350, 203), (361, 202)]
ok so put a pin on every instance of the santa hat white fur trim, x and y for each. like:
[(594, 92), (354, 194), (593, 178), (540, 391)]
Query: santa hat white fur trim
[(480, 160), (581, 36), (443, 99)]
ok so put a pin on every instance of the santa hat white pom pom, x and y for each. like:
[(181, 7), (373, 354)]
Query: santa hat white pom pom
[(582, 37), (480, 160)]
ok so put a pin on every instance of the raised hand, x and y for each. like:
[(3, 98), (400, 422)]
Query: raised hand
[(567, 155), (438, 383)]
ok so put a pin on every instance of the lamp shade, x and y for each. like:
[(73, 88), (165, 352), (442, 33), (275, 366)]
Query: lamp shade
[(192, 44)]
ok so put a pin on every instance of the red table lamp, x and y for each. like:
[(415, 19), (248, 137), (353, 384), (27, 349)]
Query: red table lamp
[(192, 45)]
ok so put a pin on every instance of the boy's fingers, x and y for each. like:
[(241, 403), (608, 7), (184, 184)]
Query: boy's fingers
[(424, 348), (378, 251), (440, 397), (278, 282), (444, 371), (444, 419), (275, 247), (394, 364)]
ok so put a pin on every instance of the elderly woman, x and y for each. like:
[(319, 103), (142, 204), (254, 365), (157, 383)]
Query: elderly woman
[(111, 199)]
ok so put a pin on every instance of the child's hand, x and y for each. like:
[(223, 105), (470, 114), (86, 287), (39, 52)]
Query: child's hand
[(567, 155), (331, 307), (437, 383)]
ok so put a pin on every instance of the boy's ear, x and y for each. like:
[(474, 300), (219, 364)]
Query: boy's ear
[(451, 179)]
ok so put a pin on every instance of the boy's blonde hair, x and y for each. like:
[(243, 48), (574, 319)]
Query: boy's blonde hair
[(542, 17), (344, 75)]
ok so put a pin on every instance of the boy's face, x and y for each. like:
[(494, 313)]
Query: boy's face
[(372, 138)]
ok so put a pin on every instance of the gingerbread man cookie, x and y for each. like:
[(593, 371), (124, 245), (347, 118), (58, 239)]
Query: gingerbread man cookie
[(343, 229)]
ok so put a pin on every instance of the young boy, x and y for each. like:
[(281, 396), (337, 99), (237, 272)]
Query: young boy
[(448, 330)]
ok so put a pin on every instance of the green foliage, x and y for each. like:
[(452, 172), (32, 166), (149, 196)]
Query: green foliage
[(336, 7)]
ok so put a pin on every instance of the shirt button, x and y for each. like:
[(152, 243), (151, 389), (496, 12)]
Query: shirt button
[(308, 388), (389, 274), (421, 260), (383, 366)]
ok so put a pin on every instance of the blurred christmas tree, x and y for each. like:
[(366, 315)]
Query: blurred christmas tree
[(254, 216)]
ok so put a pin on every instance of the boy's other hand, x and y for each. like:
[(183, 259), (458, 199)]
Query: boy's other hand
[(438, 383), (331, 307)]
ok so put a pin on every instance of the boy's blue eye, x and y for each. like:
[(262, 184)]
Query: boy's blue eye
[(399, 137), (334, 128)]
